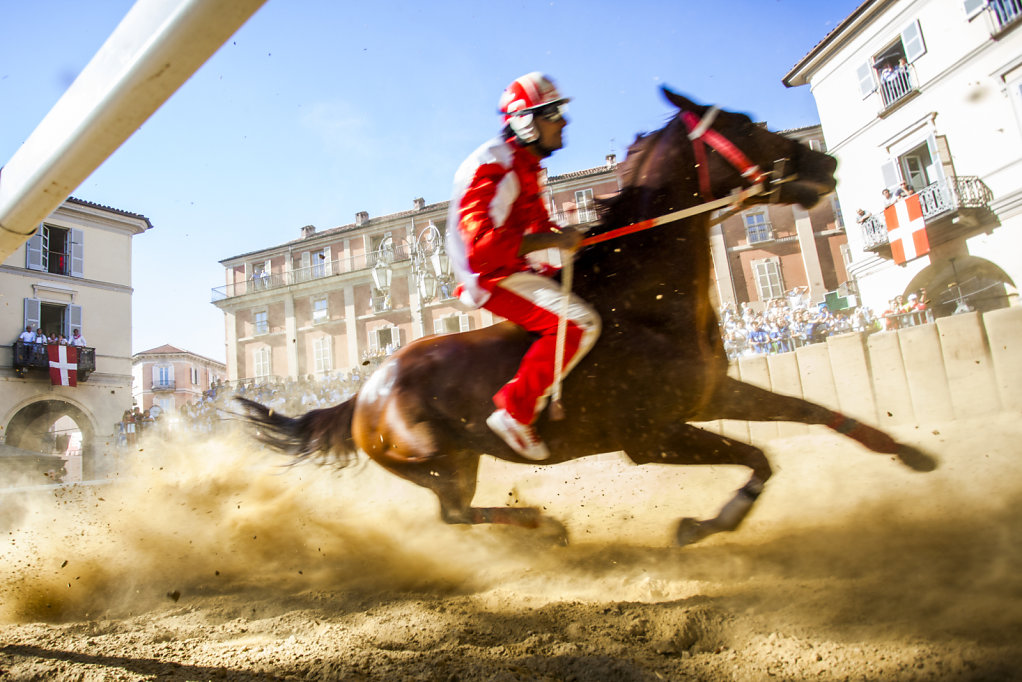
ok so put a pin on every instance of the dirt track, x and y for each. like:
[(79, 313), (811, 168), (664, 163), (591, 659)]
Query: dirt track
[(200, 567)]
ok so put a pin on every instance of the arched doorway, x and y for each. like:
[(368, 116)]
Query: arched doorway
[(963, 283), (55, 427)]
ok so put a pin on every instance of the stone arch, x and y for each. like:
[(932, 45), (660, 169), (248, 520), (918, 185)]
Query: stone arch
[(27, 428), (981, 284)]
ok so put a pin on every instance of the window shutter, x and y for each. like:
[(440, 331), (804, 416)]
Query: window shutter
[(464, 322), (937, 159), (77, 253), (912, 41), (156, 375), (34, 251), (72, 319), (438, 326), (33, 312), (326, 261), (867, 83), (889, 171), (973, 7)]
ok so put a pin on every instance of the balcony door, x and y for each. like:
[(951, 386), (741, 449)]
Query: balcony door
[(917, 167)]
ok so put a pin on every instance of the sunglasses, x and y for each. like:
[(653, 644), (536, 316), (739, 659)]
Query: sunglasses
[(552, 112)]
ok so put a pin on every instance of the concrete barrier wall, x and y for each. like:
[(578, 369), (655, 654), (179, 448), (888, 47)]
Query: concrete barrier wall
[(962, 366)]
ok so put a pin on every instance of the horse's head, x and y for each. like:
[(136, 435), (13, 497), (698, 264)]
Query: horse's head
[(737, 151)]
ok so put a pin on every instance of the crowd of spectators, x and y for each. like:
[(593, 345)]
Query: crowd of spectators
[(205, 415), (41, 338), (791, 322)]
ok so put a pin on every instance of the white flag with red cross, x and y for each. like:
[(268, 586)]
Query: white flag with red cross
[(63, 365), (906, 229)]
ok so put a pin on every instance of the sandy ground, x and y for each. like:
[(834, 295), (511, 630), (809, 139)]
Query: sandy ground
[(207, 561)]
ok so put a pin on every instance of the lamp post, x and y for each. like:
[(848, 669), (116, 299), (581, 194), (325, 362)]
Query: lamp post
[(431, 265), (383, 271)]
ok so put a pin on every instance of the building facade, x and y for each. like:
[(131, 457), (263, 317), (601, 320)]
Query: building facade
[(339, 300), (927, 93), (168, 378), (763, 252), (74, 273)]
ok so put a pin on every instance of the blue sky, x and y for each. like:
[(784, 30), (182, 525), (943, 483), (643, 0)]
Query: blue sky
[(318, 109)]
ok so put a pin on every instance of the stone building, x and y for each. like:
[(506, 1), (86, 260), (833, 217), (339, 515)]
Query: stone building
[(74, 273), (167, 378)]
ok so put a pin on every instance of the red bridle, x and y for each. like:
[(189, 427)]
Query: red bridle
[(701, 134)]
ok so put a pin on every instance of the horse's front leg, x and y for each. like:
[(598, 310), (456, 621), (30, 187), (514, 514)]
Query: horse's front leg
[(453, 480), (685, 444)]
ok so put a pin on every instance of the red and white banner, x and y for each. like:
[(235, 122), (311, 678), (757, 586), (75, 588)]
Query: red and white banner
[(906, 229), (63, 365)]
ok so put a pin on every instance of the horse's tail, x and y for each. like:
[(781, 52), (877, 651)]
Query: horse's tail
[(323, 436)]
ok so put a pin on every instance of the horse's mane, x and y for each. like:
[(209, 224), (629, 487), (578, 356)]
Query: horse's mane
[(629, 172)]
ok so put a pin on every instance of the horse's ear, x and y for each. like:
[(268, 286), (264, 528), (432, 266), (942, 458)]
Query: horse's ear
[(681, 101)]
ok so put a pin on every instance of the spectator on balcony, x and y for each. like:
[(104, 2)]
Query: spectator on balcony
[(77, 339), (27, 336), (903, 191), (759, 339), (888, 197)]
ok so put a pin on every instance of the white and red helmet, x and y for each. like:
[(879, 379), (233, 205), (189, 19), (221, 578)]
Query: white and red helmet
[(530, 94)]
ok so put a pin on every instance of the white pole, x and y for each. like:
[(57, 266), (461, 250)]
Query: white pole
[(157, 47)]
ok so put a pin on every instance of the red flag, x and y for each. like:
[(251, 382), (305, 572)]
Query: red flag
[(906, 229), (63, 365)]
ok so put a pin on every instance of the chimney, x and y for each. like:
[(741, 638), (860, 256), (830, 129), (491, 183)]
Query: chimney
[(420, 204), (611, 160), (361, 218), (308, 231)]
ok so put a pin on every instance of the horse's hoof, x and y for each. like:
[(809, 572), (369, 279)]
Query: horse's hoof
[(689, 531), (916, 459), (553, 532)]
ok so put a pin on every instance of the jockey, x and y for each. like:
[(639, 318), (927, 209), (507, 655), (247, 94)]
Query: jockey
[(498, 215)]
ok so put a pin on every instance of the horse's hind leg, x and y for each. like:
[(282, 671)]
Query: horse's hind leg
[(738, 400), (687, 444)]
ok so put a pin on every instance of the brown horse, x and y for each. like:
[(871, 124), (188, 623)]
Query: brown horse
[(659, 363)]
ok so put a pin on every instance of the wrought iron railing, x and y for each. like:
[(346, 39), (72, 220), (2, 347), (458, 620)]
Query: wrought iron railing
[(895, 85), (26, 356), (1006, 12), (277, 280), (936, 199), (164, 385)]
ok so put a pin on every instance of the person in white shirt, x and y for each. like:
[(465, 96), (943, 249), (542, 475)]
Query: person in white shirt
[(27, 336), (77, 339)]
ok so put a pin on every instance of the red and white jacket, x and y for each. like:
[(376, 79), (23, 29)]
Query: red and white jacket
[(497, 200)]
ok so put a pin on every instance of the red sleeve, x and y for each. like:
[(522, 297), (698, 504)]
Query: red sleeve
[(488, 247)]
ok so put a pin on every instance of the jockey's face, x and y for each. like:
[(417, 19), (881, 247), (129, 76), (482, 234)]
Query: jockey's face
[(550, 135)]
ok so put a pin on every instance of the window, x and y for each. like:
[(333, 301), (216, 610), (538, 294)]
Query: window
[(195, 376), (261, 321), (321, 356), (261, 361), (261, 275), (1014, 89), (839, 219), (53, 318), (381, 249), (387, 338), (1005, 12), (889, 70), (320, 311), (163, 377), (320, 262), (452, 324), (56, 250), (757, 226), (586, 205), (768, 278)]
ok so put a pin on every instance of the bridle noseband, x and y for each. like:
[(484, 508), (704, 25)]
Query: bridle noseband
[(702, 134)]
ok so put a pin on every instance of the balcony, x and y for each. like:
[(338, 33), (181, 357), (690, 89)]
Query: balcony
[(160, 385), (26, 356), (1006, 13), (948, 209), (895, 86), (271, 281)]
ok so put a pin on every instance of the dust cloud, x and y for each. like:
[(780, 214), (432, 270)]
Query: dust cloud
[(207, 559)]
